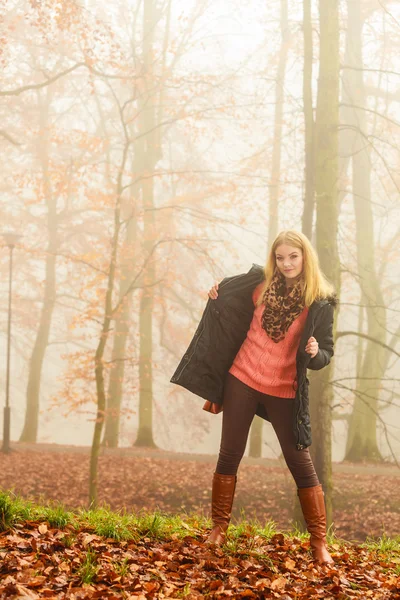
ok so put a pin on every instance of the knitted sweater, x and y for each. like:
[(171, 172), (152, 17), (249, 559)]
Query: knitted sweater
[(267, 366)]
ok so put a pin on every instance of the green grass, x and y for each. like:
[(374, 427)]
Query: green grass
[(245, 537), (118, 525), (385, 549), (185, 592), (122, 568), (68, 540), (88, 569), (383, 544), (6, 512), (57, 516)]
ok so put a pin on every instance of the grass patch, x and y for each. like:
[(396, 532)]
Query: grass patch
[(88, 569), (68, 540), (57, 516), (6, 512), (383, 544), (246, 537), (162, 526), (118, 525), (122, 568), (14, 509)]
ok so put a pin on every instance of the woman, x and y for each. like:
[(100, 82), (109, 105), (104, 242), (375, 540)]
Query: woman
[(258, 335)]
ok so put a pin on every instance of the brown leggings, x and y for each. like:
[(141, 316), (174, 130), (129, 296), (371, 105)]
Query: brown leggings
[(240, 405)]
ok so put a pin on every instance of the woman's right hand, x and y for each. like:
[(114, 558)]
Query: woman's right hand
[(213, 293)]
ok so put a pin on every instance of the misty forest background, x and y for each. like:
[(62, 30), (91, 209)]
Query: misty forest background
[(152, 148)]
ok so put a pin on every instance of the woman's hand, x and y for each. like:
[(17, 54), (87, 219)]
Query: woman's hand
[(312, 346), (213, 293)]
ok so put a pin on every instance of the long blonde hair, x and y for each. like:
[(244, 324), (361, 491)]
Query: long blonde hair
[(314, 283)]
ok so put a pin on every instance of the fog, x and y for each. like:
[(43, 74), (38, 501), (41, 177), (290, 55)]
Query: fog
[(149, 150)]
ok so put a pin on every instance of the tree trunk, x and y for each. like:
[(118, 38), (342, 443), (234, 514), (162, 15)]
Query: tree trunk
[(361, 441), (308, 209), (99, 355), (145, 429), (326, 177), (147, 127), (121, 333), (255, 447), (31, 423), (115, 383), (309, 192)]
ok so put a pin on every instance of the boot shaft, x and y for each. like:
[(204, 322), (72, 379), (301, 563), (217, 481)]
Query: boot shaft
[(223, 492), (313, 507)]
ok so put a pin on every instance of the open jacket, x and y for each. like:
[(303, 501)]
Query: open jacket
[(222, 330)]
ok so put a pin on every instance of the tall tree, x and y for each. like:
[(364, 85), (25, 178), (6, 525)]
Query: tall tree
[(31, 423), (108, 314), (150, 154), (309, 125), (361, 440), (326, 178), (309, 167), (122, 325)]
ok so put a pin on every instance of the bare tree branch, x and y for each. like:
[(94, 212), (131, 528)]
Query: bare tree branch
[(371, 110), (340, 334), (361, 396), (352, 68), (9, 138), (37, 86), (50, 80)]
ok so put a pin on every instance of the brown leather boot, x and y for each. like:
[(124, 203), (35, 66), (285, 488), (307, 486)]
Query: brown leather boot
[(223, 491), (313, 507)]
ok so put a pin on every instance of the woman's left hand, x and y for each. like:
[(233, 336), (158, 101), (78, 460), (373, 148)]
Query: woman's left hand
[(312, 346)]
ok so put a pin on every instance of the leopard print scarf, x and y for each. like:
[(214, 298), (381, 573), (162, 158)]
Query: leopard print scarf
[(280, 309)]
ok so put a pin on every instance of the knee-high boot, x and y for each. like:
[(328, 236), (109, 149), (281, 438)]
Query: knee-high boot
[(313, 507), (223, 491)]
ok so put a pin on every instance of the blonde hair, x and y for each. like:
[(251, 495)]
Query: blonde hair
[(314, 283)]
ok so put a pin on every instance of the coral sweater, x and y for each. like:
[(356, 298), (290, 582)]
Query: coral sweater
[(267, 366)]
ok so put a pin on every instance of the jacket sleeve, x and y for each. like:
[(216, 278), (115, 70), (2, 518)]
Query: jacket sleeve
[(324, 335)]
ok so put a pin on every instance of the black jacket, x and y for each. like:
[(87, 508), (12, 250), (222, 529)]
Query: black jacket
[(221, 332)]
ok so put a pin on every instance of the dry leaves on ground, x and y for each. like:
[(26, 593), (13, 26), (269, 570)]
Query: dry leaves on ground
[(43, 562)]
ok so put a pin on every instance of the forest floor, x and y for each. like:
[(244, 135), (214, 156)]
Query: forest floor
[(47, 552), (366, 498)]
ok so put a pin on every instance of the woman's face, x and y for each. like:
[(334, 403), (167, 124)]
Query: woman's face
[(289, 261)]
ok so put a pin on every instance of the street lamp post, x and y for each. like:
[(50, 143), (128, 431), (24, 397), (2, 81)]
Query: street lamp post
[(10, 239)]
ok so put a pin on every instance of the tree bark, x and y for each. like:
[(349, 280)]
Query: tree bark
[(147, 126), (326, 177), (121, 334), (309, 132), (31, 423), (99, 355), (309, 192), (361, 440)]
